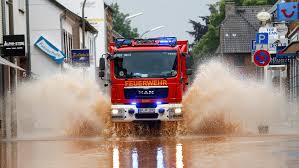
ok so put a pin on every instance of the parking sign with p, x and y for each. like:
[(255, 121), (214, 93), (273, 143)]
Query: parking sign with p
[(262, 38)]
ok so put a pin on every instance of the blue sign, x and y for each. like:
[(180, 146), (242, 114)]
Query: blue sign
[(287, 11), (262, 38), (80, 57), (275, 61), (253, 46), (279, 49), (286, 55), (47, 47)]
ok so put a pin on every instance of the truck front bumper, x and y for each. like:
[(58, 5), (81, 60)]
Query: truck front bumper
[(163, 112)]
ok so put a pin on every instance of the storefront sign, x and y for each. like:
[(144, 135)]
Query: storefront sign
[(282, 29), (272, 38), (53, 52), (286, 55), (80, 57), (275, 61), (14, 45), (287, 11)]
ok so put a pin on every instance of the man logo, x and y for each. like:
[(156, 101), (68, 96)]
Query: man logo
[(146, 92)]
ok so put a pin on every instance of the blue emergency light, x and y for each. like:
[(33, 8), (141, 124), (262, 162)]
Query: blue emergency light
[(163, 41)]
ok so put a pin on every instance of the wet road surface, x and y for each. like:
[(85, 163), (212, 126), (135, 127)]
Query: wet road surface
[(192, 151)]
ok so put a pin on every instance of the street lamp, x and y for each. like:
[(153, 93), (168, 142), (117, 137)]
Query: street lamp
[(151, 30), (133, 16), (83, 25)]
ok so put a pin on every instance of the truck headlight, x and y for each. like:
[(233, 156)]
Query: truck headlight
[(114, 111), (178, 110)]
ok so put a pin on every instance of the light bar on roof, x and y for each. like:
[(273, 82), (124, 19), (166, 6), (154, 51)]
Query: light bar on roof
[(163, 41)]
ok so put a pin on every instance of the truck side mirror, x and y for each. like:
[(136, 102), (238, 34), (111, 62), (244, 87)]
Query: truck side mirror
[(102, 64), (189, 71)]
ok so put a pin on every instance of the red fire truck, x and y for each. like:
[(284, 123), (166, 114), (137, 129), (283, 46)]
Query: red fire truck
[(147, 78)]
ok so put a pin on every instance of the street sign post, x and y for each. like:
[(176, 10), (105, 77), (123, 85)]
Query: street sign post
[(13, 45), (262, 58), (80, 57)]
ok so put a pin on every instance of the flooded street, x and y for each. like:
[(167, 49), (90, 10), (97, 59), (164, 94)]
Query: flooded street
[(85, 84), (195, 151), (231, 112)]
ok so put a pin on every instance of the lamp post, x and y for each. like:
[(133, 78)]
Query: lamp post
[(133, 16), (151, 30), (83, 24)]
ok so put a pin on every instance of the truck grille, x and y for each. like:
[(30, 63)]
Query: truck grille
[(146, 93)]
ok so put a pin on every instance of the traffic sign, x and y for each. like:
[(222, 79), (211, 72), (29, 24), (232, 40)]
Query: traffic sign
[(262, 38), (262, 58), (253, 46), (272, 31)]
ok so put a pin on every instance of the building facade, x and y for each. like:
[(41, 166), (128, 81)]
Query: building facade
[(13, 22), (95, 13), (237, 31), (48, 20), (62, 28)]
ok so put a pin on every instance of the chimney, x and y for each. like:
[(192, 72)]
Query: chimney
[(230, 8)]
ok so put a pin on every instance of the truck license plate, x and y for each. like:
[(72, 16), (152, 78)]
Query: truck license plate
[(146, 110)]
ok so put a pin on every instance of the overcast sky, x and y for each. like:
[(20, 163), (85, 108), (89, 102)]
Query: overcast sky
[(174, 14)]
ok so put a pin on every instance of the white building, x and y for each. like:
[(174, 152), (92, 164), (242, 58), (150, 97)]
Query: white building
[(59, 30), (95, 14)]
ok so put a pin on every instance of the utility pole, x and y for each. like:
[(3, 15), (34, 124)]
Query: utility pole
[(83, 32), (83, 24), (12, 75), (28, 40)]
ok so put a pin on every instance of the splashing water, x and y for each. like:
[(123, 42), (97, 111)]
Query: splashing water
[(59, 105), (217, 102), (220, 102)]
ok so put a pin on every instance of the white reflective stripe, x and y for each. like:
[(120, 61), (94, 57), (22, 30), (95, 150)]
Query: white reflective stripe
[(145, 87), (5, 62)]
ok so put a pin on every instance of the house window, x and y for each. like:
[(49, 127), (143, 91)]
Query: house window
[(21, 5), (67, 44), (239, 60)]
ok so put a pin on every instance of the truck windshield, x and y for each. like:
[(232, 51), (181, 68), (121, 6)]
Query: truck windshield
[(146, 64)]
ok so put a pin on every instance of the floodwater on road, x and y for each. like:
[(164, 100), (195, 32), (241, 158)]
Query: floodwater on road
[(190, 151)]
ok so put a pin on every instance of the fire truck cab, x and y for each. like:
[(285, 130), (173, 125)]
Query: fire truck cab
[(147, 78)]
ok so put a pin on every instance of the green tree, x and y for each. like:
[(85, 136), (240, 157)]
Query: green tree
[(199, 28), (121, 25), (209, 42)]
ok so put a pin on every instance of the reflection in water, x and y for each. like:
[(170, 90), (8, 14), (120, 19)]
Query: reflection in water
[(160, 159), (115, 156), (134, 158), (208, 152), (179, 156)]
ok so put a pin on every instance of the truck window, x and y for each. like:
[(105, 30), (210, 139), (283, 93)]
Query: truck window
[(146, 64)]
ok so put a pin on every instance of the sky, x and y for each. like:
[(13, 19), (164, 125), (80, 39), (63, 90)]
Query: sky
[(173, 14)]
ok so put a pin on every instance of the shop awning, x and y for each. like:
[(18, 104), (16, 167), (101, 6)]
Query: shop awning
[(5, 62), (293, 47)]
